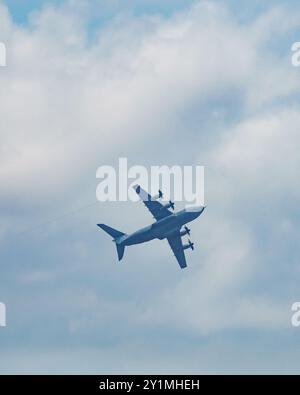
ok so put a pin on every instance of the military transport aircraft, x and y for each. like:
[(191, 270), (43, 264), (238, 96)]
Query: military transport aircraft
[(167, 225)]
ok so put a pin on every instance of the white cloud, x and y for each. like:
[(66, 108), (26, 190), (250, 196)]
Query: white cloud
[(253, 173), (63, 99), (211, 296)]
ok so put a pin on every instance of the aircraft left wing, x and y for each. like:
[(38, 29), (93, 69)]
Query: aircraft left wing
[(157, 209), (175, 243)]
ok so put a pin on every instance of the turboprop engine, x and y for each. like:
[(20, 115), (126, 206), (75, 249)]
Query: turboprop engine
[(189, 245), (158, 196), (185, 231), (169, 205)]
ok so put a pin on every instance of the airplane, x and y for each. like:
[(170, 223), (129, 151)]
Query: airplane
[(167, 225)]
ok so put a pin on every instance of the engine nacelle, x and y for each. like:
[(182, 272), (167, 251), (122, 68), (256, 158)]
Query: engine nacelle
[(186, 231), (169, 205), (158, 196), (189, 245)]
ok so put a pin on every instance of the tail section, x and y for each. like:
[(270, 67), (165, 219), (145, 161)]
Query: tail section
[(117, 238), (111, 231)]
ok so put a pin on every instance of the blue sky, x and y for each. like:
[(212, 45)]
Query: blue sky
[(174, 82), (20, 9)]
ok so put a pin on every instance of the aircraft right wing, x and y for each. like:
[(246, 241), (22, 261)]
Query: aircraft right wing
[(157, 209), (175, 243)]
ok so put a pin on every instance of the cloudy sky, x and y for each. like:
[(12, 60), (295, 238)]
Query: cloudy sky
[(159, 82)]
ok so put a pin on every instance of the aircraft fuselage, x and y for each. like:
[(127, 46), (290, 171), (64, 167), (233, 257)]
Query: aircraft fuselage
[(163, 228)]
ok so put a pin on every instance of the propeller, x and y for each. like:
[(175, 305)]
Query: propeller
[(172, 205), (158, 196), (188, 231), (191, 245)]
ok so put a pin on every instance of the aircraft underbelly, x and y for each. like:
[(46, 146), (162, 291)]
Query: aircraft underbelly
[(164, 228), (140, 237)]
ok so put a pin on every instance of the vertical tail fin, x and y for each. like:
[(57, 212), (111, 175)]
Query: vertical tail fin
[(120, 250), (116, 235)]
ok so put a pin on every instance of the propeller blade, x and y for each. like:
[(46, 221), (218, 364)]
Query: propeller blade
[(191, 245), (188, 231)]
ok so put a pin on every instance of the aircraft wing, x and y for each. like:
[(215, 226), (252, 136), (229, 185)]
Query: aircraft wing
[(175, 243), (155, 207)]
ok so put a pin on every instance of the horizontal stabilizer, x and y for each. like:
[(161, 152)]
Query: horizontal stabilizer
[(111, 231)]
